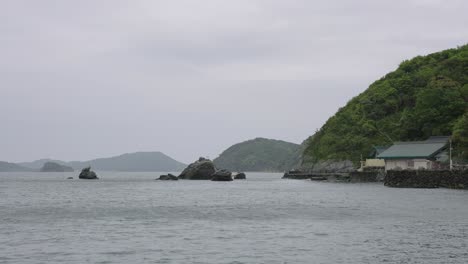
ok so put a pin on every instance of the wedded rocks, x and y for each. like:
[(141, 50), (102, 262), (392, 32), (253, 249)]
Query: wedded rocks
[(222, 175), (202, 169), (88, 174), (240, 176), (168, 177)]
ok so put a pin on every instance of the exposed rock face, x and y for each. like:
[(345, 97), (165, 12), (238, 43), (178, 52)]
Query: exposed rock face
[(55, 167), (88, 174), (202, 169), (168, 177), (328, 166), (240, 176), (222, 175)]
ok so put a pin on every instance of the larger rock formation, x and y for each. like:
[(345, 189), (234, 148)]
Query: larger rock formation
[(202, 169), (88, 174)]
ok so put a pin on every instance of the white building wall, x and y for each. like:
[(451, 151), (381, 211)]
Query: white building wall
[(408, 164), (375, 163), (422, 163)]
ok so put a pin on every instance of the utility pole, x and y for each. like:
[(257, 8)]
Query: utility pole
[(451, 162)]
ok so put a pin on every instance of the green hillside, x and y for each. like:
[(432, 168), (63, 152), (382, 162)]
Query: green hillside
[(259, 154), (426, 96)]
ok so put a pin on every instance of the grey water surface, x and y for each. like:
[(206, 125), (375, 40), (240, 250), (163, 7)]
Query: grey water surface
[(130, 218)]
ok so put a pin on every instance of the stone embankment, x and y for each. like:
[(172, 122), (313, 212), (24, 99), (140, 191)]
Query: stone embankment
[(427, 179), (355, 176)]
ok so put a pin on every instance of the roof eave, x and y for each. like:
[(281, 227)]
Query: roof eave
[(401, 157)]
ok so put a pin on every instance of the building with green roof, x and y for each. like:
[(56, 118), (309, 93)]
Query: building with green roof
[(413, 155)]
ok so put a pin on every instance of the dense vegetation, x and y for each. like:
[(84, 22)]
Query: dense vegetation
[(426, 96), (259, 154)]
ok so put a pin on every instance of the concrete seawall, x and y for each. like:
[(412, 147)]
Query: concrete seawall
[(427, 179), (354, 177)]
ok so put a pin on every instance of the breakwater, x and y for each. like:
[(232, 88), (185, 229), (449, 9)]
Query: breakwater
[(354, 177), (427, 179)]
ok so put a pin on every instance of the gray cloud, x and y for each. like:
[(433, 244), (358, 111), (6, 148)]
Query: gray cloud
[(83, 79)]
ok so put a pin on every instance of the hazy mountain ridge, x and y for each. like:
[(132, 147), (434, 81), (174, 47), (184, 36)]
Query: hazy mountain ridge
[(259, 154), (426, 96), (12, 167), (55, 167), (138, 161), (37, 164)]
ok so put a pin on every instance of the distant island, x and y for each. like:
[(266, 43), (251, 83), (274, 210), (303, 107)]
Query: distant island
[(260, 154), (55, 167), (135, 162)]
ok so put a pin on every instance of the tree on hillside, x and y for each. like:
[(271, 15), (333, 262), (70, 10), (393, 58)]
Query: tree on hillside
[(460, 137)]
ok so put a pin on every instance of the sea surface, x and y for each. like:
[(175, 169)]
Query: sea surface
[(131, 218)]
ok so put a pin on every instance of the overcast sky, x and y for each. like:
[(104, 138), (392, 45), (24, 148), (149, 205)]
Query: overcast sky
[(93, 78)]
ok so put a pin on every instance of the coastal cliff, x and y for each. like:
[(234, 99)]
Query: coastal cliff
[(425, 96)]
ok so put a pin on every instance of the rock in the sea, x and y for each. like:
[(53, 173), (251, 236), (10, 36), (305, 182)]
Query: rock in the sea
[(240, 176), (222, 175), (168, 177), (70, 178), (202, 169), (88, 174)]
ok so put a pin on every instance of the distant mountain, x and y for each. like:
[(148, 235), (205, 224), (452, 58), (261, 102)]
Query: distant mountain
[(12, 167), (55, 167), (38, 164), (139, 161), (260, 154)]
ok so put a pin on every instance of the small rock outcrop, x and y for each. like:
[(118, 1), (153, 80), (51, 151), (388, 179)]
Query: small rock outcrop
[(88, 174), (70, 178), (222, 175), (168, 177), (202, 169), (240, 176), (55, 167)]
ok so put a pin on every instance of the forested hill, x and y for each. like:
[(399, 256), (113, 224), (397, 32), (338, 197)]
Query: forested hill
[(260, 154), (426, 96)]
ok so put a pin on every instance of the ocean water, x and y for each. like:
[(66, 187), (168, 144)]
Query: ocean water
[(130, 218)]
